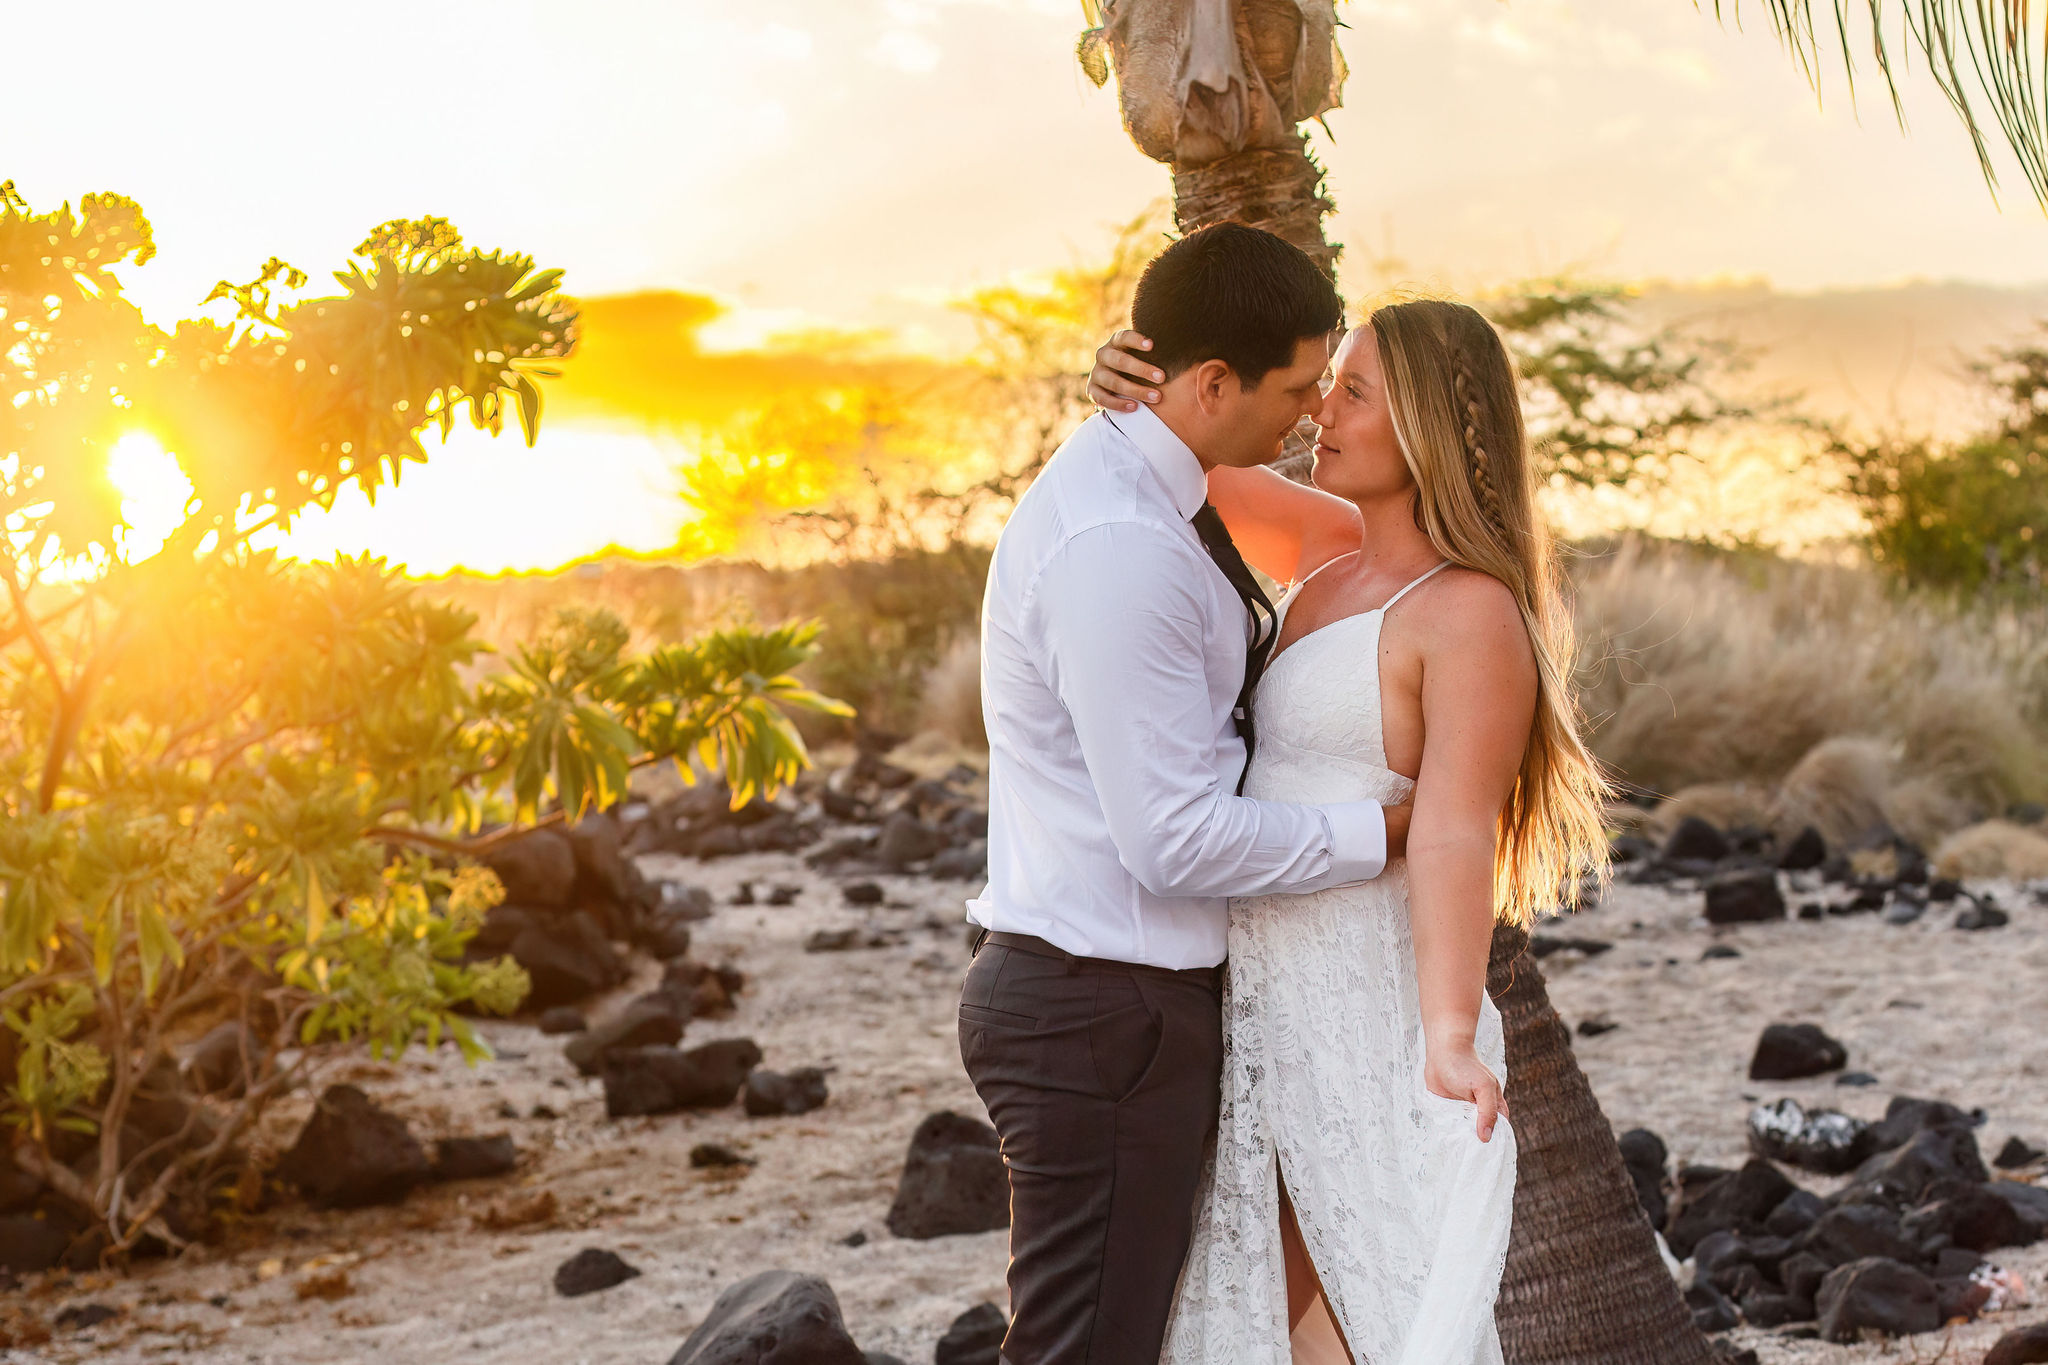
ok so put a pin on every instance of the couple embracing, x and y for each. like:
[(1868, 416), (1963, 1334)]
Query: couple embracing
[(1228, 1008)]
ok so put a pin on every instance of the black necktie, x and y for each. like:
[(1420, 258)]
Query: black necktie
[(1264, 620)]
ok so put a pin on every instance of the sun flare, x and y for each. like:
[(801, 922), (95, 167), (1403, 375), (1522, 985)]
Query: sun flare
[(154, 492)]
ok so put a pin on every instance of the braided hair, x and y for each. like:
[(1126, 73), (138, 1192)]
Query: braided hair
[(1476, 458)]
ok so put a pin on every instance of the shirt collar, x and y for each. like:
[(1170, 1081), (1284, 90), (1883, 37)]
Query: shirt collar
[(1171, 459)]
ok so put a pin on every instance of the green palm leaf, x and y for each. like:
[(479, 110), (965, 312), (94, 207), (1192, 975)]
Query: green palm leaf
[(1982, 54)]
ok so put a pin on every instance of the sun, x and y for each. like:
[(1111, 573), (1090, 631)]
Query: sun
[(154, 493)]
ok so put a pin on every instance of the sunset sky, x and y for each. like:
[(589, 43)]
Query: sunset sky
[(857, 163)]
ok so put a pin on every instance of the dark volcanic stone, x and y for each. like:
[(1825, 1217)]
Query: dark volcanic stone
[(1942, 890), (1807, 850), (1855, 1232), (2015, 1154), (1734, 1203), (590, 1270), (653, 1020), (2021, 1346), (1597, 1025), (967, 863), (1543, 945), (81, 1317), (834, 940), (1797, 1212), (1824, 1140), (1711, 1311), (1902, 1176), (777, 1317), (862, 893), (1905, 1117), (351, 1154), (668, 936), (1694, 838), (1801, 1274), (661, 1080), (1744, 898), (905, 840), (1856, 1078), (538, 869), (953, 1180), (562, 1019), (975, 1338), (1981, 916), (1876, 1295), (565, 953), (474, 1158), (711, 1156), (29, 1244), (1788, 1052), (1720, 952), (1644, 1156), (1972, 1217), (1769, 1309), (793, 1092), (2031, 1202)]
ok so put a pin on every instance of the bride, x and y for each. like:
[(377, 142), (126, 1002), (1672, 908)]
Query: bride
[(1358, 1202)]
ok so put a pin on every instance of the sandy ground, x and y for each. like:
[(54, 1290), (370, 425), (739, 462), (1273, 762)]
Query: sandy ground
[(1930, 1010)]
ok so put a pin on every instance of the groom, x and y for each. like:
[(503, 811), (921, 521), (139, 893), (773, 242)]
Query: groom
[(1122, 635)]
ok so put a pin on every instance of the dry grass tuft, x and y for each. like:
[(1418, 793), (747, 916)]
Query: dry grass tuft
[(1867, 706), (1995, 848)]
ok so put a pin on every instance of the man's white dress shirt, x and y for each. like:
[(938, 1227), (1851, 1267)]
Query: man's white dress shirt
[(1112, 650)]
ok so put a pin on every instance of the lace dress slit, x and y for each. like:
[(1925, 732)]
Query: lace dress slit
[(1402, 1210)]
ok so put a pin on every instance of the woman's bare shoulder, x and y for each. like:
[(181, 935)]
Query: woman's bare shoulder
[(1474, 614)]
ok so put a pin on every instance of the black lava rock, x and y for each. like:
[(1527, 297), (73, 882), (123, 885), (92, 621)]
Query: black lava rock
[(565, 953), (862, 893), (80, 1317), (953, 1180), (712, 1156), (1797, 1212), (2016, 1154), (1854, 1232), (1857, 1079), (661, 1080), (1824, 1140), (905, 840), (1595, 1026), (1972, 1217), (1720, 952), (1543, 945), (1744, 898), (1876, 1295), (1644, 1155), (1903, 1176), (834, 940), (1694, 838), (1711, 1311), (215, 1066), (1801, 1274), (966, 863), (1978, 915), (1788, 1052), (474, 1158), (591, 1270), (654, 1020), (1769, 1309), (793, 1092), (1730, 1203), (1906, 1117), (29, 1244), (975, 1338), (1942, 890), (777, 1317), (1807, 850), (2020, 1346), (352, 1154), (562, 1019)]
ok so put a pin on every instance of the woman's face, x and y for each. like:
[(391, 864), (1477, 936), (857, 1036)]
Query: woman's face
[(1357, 454)]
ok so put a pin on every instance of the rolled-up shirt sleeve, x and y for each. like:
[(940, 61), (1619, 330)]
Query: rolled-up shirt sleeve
[(1119, 612)]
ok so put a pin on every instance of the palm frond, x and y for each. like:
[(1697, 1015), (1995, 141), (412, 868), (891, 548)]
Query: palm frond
[(1981, 53)]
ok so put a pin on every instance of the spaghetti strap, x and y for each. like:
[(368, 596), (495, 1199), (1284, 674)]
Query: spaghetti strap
[(1389, 603), (1302, 581)]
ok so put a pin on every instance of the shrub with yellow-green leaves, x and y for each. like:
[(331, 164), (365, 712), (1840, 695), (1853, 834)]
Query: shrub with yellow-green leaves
[(236, 790)]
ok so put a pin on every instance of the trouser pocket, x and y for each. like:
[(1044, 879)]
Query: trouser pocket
[(1124, 1036)]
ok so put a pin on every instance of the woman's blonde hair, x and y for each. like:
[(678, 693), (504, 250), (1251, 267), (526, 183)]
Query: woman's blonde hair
[(1457, 412)]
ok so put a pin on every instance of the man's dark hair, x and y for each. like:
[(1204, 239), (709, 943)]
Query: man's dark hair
[(1236, 294)]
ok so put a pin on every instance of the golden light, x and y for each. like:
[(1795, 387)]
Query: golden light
[(154, 492)]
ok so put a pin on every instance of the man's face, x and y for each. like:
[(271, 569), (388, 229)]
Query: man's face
[(1252, 423)]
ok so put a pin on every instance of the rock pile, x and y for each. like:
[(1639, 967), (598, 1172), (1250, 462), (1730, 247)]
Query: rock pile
[(351, 1154), (1743, 875), (1899, 1249)]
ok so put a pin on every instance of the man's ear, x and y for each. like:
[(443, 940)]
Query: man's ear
[(1212, 379)]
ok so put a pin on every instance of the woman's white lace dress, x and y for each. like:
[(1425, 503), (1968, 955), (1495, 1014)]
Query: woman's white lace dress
[(1403, 1209)]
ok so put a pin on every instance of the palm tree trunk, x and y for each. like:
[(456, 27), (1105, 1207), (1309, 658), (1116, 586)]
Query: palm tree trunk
[(1584, 1283), (1278, 190)]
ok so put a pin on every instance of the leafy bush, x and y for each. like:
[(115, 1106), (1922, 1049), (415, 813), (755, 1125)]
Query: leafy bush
[(240, 789)]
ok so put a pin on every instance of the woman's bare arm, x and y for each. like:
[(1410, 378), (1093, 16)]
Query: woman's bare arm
[(1478, 703), (1283, 529)]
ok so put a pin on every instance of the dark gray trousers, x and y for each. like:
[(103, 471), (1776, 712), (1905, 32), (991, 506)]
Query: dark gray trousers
[(1103, 1081)]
